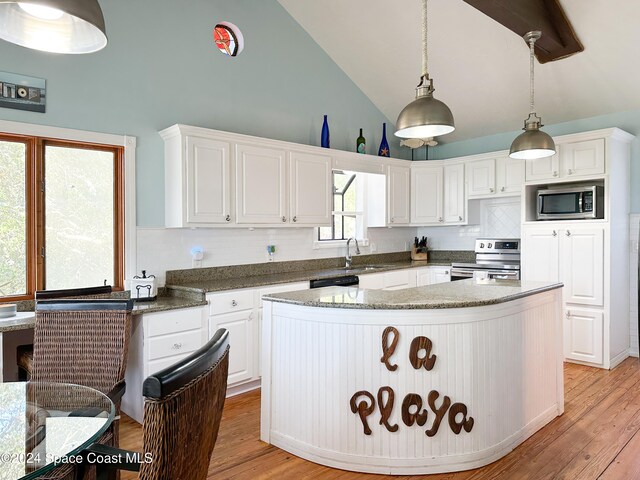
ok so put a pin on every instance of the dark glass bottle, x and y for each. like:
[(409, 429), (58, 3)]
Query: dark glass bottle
[(324, 138), (383, 151), (361, 144)]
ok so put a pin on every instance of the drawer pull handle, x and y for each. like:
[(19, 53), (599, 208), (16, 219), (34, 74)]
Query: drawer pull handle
[(459, 218), (492, 190), (568, 234), (570, 172), (228, 218), (555, 234), (295, 219), (284, 219), (176, 346), (555, 173), (234, 303)]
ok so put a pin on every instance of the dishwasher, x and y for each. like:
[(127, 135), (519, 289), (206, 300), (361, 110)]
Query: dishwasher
[(344, 281)]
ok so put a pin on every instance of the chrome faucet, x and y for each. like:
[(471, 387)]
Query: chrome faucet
[(347, 257)]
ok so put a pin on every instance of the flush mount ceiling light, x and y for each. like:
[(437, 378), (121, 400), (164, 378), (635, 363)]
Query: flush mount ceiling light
[(56, 26), (533, 143), (425, 116)]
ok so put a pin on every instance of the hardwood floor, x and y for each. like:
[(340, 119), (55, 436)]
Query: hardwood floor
[(596, 438)]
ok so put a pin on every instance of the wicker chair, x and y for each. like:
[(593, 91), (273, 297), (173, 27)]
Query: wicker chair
[(83, 342), (24, 353), (182, 412)]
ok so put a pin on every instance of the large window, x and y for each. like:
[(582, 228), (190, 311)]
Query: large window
[(61, 215)]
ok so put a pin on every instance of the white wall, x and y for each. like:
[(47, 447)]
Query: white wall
[(161, 249), (498, 217)]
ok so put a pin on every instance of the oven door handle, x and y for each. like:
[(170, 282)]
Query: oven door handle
[(461, 273), (503, 275)]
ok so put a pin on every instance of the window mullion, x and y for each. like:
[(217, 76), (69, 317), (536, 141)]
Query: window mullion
[(39, 187)]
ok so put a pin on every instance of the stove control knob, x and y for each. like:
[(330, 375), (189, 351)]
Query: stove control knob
[(489, 245), (482, 245)]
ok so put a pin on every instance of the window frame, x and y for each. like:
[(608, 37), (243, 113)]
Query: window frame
[(36, 137)]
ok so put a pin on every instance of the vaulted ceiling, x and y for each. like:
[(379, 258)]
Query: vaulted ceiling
[(480, 68)]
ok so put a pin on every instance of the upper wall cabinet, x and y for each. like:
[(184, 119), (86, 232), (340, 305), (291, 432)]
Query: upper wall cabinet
[(215, 178), (494, 177), (573, 160), (398, 197), (437, 194), (197, 181)]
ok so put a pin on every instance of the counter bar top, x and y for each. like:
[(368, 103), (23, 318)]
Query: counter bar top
[(459, 294)]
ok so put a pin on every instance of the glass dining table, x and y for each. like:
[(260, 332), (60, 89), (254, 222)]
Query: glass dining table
[(43, 425)]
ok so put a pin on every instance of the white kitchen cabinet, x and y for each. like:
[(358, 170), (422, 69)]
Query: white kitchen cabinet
[(241, 328), (454, 199), (574, 160), (159, 340), (440, 275), (371, 281), (426, 195), (583, 334), (197, 181), (261, 185), (398, 196), (540, 254), (583, 265), (399, 279), (423, 276), (437, 194), (495, 177), (310, 189), (481, 175)]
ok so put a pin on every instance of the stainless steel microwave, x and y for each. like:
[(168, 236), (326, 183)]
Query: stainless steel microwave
[(571, 203)]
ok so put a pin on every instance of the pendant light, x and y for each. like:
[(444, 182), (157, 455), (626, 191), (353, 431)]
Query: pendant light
[(533, 143), (56, 26), (425, 116)]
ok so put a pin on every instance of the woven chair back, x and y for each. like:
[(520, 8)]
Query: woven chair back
[(180, 427)]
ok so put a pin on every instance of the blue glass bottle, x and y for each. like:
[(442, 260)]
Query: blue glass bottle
[(383, 151), (324, 139)]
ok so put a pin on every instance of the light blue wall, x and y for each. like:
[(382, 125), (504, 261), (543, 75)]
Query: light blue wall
[(628, 121), (161, 67)]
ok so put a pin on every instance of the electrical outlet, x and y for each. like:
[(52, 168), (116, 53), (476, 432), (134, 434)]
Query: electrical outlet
[(197, 254), (271, 251)]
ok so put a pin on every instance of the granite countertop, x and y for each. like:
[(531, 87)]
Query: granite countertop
[(459, 294), (250, 276)]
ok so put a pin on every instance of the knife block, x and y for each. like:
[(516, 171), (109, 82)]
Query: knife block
[(419, 254)]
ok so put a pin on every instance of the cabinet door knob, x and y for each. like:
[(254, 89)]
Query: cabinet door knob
[(555, 234), (570, 172), (284, 219), (295, 219), (446, 272), (234, 303), (502, 189), (459, 218), (555, 174), (440, 219), (568, 234), (391, 220), (176, 346), (568, 314), (492, 190), (228, 218)]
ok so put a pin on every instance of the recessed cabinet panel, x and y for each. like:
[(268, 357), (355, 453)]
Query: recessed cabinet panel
[(241, 338), (510, 173), (426, 195), (540, 254), (583, 158), (261, 185), (310, 179), (208, 175), (583, 267), (584, 335), (398, 197), (547, 168), (454, 204), (481, 175)]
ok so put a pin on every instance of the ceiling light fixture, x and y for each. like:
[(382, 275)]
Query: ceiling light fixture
[(533, 143), (56, 26), (425, 116)]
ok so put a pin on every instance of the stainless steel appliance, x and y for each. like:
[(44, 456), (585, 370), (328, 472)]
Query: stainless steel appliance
[(497, 258), (570, 203), (344, 281)]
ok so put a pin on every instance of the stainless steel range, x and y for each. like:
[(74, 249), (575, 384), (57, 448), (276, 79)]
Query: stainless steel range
[(497, 257)]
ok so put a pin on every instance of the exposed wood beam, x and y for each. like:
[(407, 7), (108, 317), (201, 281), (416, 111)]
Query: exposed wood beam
[(521, 16)]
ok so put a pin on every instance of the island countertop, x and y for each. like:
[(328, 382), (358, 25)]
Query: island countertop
[(459, 294)]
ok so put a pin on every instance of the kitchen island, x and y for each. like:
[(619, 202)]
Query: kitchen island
[(424, 380)]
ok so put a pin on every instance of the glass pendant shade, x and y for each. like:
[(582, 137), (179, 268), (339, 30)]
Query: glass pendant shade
[(56, 26)]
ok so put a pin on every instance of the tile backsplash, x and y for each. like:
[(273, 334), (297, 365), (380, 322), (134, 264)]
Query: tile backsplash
[(496, 217)]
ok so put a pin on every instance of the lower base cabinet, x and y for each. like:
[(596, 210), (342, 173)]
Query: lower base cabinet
[(159, 340), (583, 334), (432, 275), (240, 312)]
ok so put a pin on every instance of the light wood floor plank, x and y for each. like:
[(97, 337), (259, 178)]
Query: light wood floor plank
[(597, 437)]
